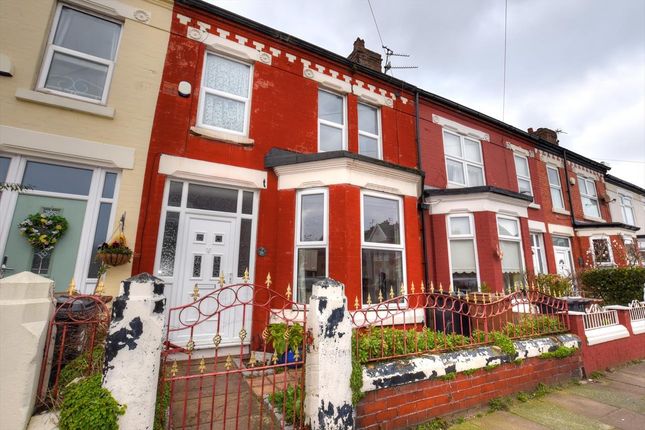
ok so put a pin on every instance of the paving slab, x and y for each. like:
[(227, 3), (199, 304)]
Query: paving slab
[(627, 378), (556, 417), (625, 419), (580, 405), (507, 421), (604, 393), (635, 369)]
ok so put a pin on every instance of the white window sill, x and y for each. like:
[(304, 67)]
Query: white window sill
[(221, 136), (535, 206), (593, 218), (561, 211), (64, 102)]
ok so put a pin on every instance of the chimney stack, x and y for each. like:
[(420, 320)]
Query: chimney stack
[(364, 56), (545, 134)]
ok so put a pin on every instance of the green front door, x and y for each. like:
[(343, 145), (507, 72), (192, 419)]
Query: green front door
[(61, 263)]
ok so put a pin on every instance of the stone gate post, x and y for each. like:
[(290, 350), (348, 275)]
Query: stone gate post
[(133, 349), (328, 401)]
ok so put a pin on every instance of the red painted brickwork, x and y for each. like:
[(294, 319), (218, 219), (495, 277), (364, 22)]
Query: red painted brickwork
[(411, 404)]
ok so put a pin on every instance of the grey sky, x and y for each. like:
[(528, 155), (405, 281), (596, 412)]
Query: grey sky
[(574, 65)]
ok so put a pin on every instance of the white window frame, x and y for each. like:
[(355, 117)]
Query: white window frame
[(464, 163), (51, 49), (539, 252), (379, 143), (528, 168), (611, 261), (300, 244), (203, 90), (557, 188), (342, 127), (472, 237), (517, 239), (593, 197), (627, 207), (383, 246)]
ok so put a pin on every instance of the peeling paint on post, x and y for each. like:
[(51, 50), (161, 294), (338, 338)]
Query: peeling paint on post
[(133, 349), (328, 401)]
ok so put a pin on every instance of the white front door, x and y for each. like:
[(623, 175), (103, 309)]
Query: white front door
[(563, 261), (210, 250)]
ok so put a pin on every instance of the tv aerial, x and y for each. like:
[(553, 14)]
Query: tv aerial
[(388, 64)]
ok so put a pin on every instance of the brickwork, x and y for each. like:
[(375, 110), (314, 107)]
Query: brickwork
[(407, 405)]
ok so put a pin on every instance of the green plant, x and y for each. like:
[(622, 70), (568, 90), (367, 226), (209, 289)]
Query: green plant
[(541, 390), (43, 230), (87, 405), (469, 371), (285, 337), (503, 342), (523, 397), (560, 353), (518, 361), (499, 404), (491, 367), (557, 285), (435, 424), (448, 376), (616, 285), (161, 406), (81, 367), (597, 375), (484, 288), (288, 402)]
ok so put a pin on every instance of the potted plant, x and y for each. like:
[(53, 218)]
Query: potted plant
[(286, 341), (115, 253)]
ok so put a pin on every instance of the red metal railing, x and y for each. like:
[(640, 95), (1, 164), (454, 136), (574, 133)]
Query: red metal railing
[(218, 373), (75, 335), (435, 321)]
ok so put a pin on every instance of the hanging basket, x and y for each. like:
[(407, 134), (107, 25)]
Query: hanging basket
[(113, 259)]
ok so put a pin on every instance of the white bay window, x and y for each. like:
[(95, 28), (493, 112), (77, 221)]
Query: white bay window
[(510, 244), (311, 241), (463, 254)]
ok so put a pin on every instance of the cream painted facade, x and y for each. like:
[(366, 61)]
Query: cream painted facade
[(615, 192), (111, 135)]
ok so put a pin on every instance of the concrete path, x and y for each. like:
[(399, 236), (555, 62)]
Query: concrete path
[(615, 401)]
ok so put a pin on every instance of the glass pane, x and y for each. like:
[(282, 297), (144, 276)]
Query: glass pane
[(471, 151), (247, 202), (591, 188), (330, 107), (462, 256), (331, 138), (367, 119), (368, 146), (174, 193), (169, 244), (455, 172), (465, 282), (212, 198), (459, 225), (4, 168), (217, 264), (100, 236), (511, 260), (57, 179), (601, 251), (590, 207), (40, 264), (521, 166), (108, 185), (381, 220), (76, 76), (224, 113), (583, 185), (312, 267), (312, 217), (560, 241), (554, 176), (244, 258), (87, 34), (508, 227), (556, 198), (226, 75), (628, 213), (382, 271), (452, 144), (475, 176), (197, 266), (524, 186)]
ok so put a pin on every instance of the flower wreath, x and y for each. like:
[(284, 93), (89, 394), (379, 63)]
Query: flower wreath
[(43, 230)]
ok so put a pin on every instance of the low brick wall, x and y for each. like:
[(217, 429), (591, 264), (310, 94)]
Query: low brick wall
[(410, 404)]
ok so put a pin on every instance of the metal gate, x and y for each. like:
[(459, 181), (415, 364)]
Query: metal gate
[(252, 381)]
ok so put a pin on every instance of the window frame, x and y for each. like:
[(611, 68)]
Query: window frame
[(378, 137), (517, 239), (517, 174), (464, 163), (203, 90), (611, 261), (624, 207), (383, 246), (299, 244), (51, 48), (471, 237), (555, 187), (593, 197), (320, 121), (538, 250)]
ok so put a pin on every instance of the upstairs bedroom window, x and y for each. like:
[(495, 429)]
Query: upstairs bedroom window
[(556, 187), (523, 174), (627, 209), (331, 122), (80, 56), (589, 197), (464, 162), (225, 95), (369, 127)]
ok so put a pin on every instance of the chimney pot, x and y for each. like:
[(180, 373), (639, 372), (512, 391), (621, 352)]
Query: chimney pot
[(364, 56)]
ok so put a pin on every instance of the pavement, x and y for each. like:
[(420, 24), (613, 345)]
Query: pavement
[(614, 401)]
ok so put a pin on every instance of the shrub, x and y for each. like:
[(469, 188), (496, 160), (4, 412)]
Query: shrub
[(499, 404), (80, 367), (616, 286), (558, 285), (87, 405), (288, 402), (560, 353)]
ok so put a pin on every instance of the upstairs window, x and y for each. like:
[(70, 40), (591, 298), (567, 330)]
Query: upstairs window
[(589, 197), (80, 55), (225, 95), (555, 187), (331, 122), (464, 163), (627, 209), (523, 174), (369, 141), (463, 257)]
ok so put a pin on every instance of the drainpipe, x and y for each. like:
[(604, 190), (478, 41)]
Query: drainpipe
[(421, 204), (566, 176)]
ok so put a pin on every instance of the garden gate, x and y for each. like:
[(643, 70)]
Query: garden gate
[(254, 380)]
